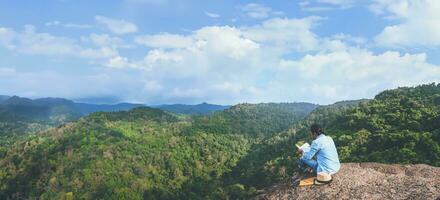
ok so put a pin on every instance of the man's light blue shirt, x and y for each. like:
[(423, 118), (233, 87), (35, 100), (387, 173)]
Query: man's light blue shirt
[(324, 149)]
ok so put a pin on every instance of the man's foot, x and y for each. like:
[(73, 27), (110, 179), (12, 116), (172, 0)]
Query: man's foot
[(295, 181), (297, 176), (301, 174)]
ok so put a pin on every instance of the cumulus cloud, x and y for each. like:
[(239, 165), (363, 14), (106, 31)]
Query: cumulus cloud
[(225, 40), (117, 26), (284, 33), (353, 73), (226, 64), (412, 18)]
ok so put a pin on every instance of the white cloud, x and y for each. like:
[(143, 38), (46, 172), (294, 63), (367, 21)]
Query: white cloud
[(117, 26), (219, 40), (343, 3), (325, 5), (226, 64), (212, 15), (225, 40), (120, 62), (157, 55), (105, 40), (37, 43), (32, 42), (287, 34), (259, 11), (68, 25), (349, 38), (412, 19), (164, 40), (353, 73)]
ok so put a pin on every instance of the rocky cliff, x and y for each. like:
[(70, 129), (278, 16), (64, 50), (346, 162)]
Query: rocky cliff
[(368, 181)]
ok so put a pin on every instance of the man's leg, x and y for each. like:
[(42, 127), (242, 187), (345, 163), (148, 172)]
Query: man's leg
[(304, 163), (301, 173)]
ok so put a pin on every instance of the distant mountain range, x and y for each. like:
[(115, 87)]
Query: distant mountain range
[(199, 109), (79, 108), (87, 108), (19, 115)]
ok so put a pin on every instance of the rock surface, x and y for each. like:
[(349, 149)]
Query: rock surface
[(368, 181)]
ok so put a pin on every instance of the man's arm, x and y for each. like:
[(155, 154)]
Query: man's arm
[(314, 148)]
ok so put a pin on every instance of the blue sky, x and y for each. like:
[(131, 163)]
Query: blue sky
[(225, 52)]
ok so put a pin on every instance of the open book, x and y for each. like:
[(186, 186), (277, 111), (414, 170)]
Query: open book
[(304, 147)]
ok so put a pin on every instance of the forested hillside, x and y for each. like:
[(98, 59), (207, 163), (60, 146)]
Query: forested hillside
[(274, 158), (143, 153), (398, 126), (257, 120)]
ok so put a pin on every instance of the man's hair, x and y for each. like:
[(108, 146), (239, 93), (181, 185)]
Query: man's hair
[(316, 129)]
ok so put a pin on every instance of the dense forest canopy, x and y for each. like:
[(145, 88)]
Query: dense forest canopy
[(148, 153), (166, 155), (258, 120)]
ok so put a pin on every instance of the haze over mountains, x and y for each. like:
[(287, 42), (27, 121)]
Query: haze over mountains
[(24, 115), (86, 108)]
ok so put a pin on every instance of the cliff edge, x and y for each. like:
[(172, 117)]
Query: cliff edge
[(368, 181)]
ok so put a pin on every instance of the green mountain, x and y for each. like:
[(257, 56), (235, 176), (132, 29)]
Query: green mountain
[(143, 153), (274, 158), (199, 109)]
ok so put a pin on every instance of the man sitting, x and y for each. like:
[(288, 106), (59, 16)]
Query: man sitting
[(321, 158)]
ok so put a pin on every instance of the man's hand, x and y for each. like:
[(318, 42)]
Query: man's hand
[(300, 150)]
